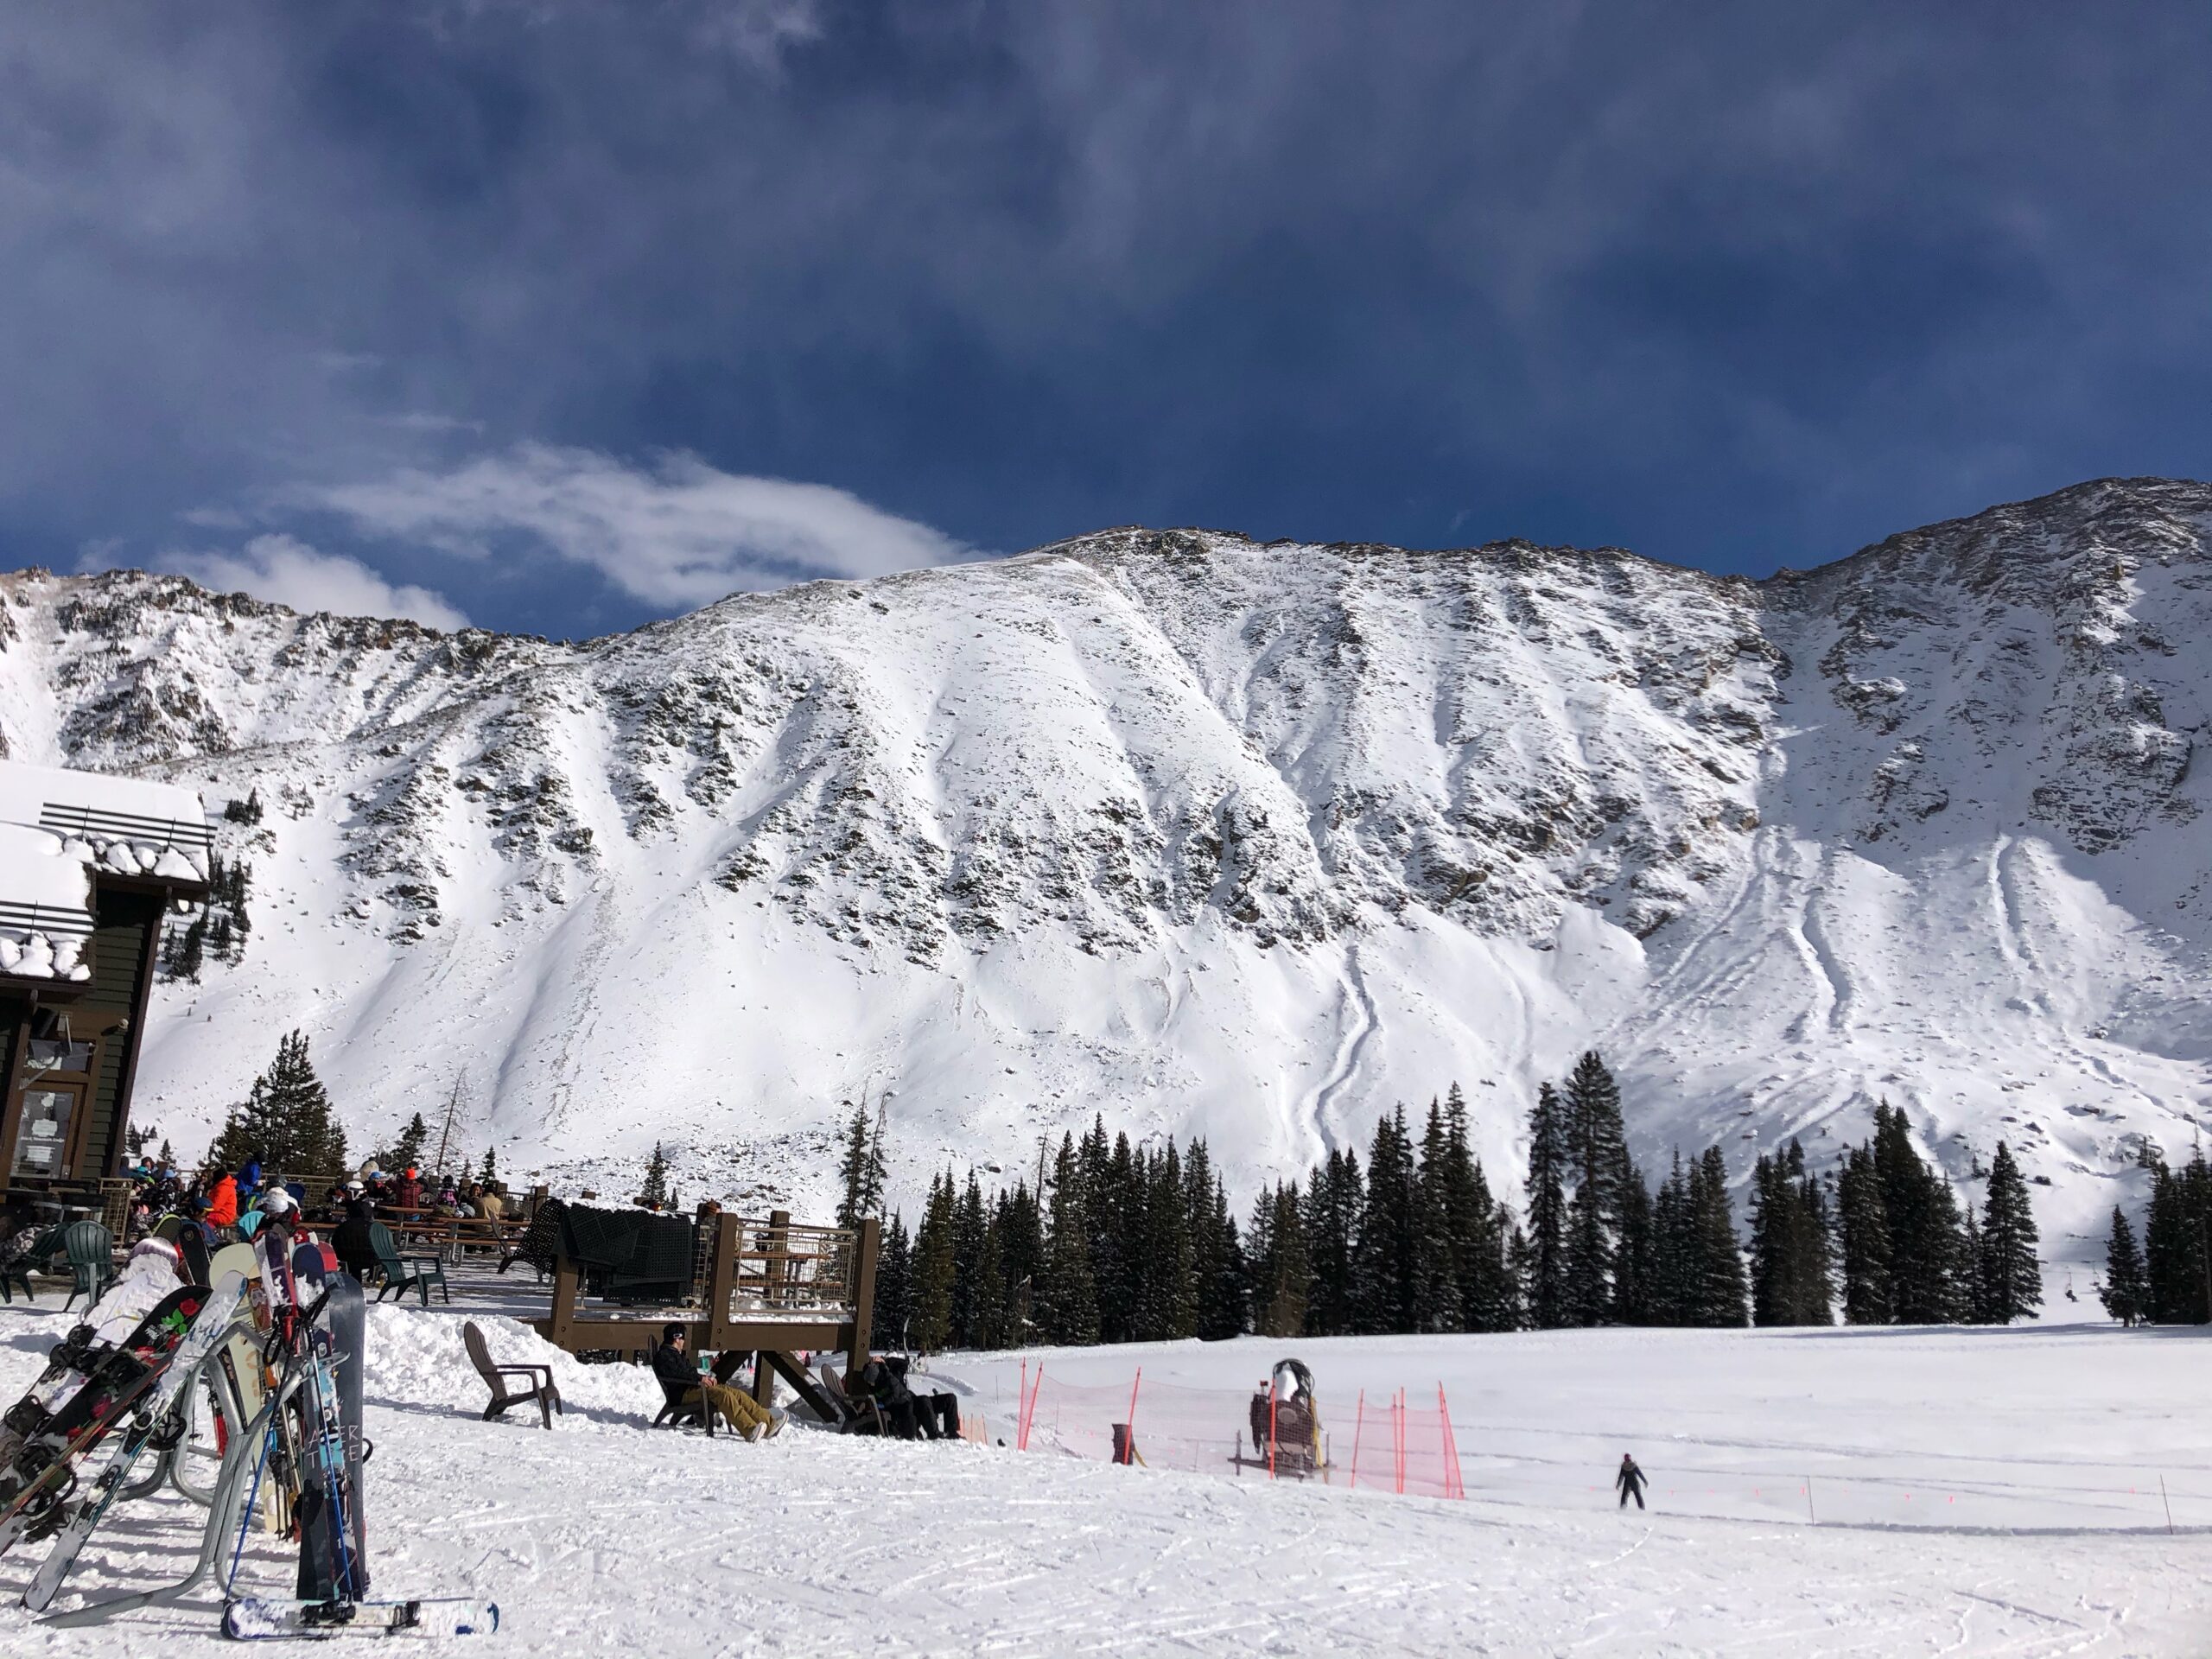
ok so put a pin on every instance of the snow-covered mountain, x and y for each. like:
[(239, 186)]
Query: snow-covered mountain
[(1213, 835)]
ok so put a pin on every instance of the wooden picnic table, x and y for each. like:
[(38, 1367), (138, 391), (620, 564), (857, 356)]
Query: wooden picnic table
[(451, 1236)]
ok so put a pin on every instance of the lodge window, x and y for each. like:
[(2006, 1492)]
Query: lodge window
[(52, 1111), (48, 1120)]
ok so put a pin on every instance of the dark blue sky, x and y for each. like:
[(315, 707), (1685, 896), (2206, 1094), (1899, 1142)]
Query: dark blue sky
[(562, 317)]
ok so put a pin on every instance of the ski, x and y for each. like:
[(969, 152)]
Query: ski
[(211, 1326), (252, 1618)]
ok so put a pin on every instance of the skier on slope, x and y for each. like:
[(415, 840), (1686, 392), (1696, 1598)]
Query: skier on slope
[(1630, 1480)]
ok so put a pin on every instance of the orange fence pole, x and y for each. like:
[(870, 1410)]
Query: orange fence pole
[(1134, 1383), (1398, 1437), (1358, 1420), (1271, 1428), (1453, 1485)]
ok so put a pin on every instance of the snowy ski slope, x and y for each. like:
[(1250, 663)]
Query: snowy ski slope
[(1974, 1494)]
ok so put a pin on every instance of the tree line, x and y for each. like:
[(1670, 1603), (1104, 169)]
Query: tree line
[(1118, 1242), (2166, 1278)]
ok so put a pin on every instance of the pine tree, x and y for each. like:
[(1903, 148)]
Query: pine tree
[(1282, 1270), (1596, 1160), (1438, 1304), (2011, 1279), (407, 1151), (968, 1225), (488, 1170), (654, 1189), (167, 1159), (1067, 1297), (874, 1178), (931, 1309), (2126, 1291), (1863, 1229), (853, 1170), (1545, 1285), (1720, 1294), (893, 1281), (1223, 1309), (1334, 1201), (1633, 1264), (1383, 1267), (286, 1120)]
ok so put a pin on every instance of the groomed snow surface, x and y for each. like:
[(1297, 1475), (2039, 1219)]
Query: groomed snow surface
[(1981, 1491)]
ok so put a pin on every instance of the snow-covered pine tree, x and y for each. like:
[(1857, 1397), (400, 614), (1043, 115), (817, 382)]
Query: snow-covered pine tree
[(488, 1170), (1545, 1286), (2126, 1291), (2011, 1279)]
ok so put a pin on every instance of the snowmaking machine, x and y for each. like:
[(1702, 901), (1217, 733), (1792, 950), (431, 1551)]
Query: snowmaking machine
[(1286, 1424)]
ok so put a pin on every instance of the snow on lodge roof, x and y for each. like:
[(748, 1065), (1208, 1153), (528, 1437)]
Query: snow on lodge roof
[(60, 832)]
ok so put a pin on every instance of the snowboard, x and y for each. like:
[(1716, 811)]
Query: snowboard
[(333, 1564), (210, 1326), (261, 1617), (44, 1467)]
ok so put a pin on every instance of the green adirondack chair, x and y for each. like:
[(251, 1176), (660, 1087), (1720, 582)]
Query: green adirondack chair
[(91, 1250), (404, 1273)]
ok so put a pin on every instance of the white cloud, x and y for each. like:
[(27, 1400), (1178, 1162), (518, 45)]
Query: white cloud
[(680, 534), (289, 572)]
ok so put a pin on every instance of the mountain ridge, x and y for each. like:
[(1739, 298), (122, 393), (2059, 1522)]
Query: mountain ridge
[(1195, 830)]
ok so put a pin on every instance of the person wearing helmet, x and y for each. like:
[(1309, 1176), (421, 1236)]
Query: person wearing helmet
[(1630, 1482)]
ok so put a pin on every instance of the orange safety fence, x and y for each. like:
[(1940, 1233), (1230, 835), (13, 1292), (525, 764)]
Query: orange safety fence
[(1409, 1444)]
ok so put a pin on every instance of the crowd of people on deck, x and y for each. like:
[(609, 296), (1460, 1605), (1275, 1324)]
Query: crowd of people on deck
[(228, 1203)]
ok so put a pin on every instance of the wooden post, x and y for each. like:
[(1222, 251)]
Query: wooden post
[(567, 1280), (863, 1291), (721, 1280), (777, 1242)]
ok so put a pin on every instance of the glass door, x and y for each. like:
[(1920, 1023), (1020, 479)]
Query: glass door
[(42, 1135)]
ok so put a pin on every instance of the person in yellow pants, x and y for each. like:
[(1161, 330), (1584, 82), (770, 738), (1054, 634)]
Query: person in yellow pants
[(673, 1365)]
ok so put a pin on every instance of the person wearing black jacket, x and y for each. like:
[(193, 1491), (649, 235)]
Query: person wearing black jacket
[(910, 1415), (1630, 1480), (679, 1379), (357, 1251)]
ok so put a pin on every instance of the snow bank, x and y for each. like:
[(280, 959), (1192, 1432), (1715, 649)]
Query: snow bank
[(415, 1358)]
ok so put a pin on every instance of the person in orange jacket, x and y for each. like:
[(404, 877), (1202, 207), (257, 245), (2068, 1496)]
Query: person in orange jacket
[(223, 1201)]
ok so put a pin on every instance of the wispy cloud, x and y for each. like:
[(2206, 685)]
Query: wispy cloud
[(678, 533), (287, 570)]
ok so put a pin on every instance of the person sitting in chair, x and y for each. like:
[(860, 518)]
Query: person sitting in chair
[(910, 1415), (680, 1379)]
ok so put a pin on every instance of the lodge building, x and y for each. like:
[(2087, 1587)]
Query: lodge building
[(90, 867)]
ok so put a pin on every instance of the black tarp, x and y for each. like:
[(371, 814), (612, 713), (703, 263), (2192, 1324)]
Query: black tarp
[(629, 1253)]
